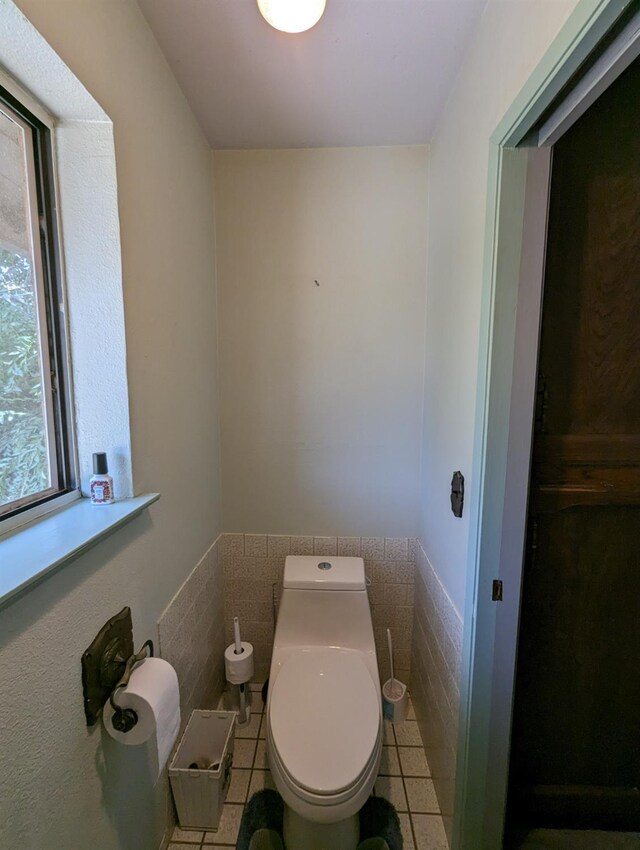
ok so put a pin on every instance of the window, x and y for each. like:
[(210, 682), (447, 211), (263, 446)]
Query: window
[(35, 451)]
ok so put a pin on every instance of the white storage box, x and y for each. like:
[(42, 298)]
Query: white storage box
[(200, 771)]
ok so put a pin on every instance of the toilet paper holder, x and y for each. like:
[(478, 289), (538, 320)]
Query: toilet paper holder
[(107, 664), (124, 719)]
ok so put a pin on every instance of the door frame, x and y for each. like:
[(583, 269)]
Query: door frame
[(515, 236)]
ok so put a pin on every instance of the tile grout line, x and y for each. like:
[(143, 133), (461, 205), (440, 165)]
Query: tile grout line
[(394, 744), (406, 793), (429, 777), (404, 787), (397, 753)]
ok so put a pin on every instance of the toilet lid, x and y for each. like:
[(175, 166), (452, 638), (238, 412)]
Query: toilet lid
[(324, 718)]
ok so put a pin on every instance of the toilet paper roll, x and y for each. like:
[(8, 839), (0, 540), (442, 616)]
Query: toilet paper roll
[(154, 695), (239, 668)]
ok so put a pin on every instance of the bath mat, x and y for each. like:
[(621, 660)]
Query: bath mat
[(266, 839), (264, 811), (379, 819)]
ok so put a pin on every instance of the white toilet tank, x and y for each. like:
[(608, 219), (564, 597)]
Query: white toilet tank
[(320, 572), (324, 602)]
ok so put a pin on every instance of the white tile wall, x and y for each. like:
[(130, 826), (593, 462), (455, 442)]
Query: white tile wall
[(436, 651), (191, 633), (191, 639)]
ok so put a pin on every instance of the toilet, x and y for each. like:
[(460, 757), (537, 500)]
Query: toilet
[(324, 710)]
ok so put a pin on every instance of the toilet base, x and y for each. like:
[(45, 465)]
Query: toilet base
[(301, 834)]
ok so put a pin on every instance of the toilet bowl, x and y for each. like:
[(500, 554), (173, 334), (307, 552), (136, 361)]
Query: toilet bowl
[(324, 713)]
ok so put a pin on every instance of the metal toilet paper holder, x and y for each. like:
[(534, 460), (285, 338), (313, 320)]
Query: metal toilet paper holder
[(124, 719), (107, 664)]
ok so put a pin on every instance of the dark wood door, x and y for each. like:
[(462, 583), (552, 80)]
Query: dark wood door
[(575, 758)]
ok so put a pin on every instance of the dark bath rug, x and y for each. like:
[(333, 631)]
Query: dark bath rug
[(263, 814), (379, 819), (264, 811)]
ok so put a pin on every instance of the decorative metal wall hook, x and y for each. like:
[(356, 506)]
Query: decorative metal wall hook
[(457, 493), (106, 668)]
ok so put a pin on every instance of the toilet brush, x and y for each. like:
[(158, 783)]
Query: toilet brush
[(243, 715), (394, 693), (395, 689)]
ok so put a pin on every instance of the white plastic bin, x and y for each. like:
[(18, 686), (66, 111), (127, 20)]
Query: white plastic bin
[(200, 792)]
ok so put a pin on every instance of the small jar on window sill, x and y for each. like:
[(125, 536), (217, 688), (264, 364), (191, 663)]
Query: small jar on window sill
[(101, 483)]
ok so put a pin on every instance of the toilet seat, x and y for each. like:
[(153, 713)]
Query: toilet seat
[(324, 722), (295, 796)]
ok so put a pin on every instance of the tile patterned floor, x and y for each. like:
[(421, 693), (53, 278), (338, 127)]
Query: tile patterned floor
[(404, 779)]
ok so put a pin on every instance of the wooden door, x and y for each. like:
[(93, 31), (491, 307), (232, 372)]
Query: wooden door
[(575, 759)]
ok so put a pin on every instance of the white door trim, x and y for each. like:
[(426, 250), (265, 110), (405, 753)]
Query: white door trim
[(614, 60), (512, 290)]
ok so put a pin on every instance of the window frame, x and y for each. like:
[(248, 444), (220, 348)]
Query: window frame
[(50, 299)]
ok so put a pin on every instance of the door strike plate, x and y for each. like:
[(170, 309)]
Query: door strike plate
[(496, 591)]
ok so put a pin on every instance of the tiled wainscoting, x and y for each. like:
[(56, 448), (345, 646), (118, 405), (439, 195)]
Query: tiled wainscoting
[(238, 575), (253, 565), (191, 639), (191, 632), (437, 646)]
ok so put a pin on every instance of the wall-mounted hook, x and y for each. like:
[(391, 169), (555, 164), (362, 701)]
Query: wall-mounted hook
[(457, 493), (106, 667)]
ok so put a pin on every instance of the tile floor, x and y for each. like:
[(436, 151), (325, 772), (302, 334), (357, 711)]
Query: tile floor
[(404, 779)]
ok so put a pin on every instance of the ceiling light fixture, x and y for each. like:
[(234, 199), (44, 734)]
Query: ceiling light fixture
[(292, 15)]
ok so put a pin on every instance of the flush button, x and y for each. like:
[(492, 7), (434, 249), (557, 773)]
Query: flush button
[(324, 565)]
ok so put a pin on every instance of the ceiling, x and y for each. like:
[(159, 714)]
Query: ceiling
[(371, 72)]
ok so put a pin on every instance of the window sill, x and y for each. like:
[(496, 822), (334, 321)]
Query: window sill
[(33, 551)]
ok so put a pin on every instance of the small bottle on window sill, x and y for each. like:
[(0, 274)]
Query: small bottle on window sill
[(101, 483)]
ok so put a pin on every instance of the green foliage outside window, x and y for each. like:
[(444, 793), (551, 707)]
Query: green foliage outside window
[(23, 450)]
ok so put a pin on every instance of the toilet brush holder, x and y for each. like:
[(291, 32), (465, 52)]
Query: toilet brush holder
[(395, 701), (232, 699)]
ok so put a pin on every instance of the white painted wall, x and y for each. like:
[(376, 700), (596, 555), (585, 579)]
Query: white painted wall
[(510, 41), (62, 785), (321, 385)]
